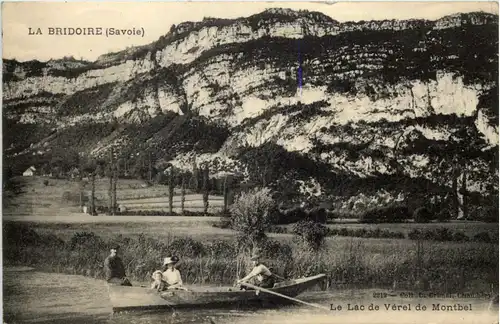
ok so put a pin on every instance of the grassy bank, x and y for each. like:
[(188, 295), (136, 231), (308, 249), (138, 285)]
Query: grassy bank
[(443, 234), (445, 266)]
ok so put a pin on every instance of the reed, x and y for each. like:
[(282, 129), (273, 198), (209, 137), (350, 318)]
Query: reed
[(346, 262)]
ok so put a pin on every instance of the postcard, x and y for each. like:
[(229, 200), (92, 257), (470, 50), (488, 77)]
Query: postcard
[(250, 162)]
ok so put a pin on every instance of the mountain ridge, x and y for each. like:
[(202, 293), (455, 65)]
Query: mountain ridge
[(187, 27), (369, 104)]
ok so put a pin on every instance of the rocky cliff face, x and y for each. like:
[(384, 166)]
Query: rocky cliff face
[(392, 103)]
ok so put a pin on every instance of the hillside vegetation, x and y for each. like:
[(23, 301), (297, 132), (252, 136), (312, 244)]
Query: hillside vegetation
[(293, 100)]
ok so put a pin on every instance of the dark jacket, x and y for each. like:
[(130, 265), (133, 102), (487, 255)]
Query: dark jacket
[(113, 266)]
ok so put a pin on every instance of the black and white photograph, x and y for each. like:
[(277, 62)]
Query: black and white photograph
[(250, 162)]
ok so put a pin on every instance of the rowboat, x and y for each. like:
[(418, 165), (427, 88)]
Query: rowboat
[(125, 298)]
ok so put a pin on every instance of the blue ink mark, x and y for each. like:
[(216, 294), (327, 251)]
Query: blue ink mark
[(299, 74)]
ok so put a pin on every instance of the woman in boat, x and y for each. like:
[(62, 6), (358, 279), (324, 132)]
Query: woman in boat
[(264, 277), (170, 275)]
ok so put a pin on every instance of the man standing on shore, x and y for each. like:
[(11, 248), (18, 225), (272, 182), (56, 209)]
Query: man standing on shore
[(115, 271)]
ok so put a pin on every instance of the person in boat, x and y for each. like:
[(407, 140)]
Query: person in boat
[(263, 276), (170, 275), (158, 282), (114, 268)]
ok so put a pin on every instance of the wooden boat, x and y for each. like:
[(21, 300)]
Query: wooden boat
[(142, 298)]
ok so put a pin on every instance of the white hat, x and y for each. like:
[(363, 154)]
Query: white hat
[(169, 260)]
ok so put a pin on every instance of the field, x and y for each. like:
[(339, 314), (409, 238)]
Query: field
[(203, 226), (469, 228), (62, 197), (159, 227)]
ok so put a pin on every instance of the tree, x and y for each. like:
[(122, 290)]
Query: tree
[(183, 192), (12, 187), (92, 195), (205, 189), (115, 180), (250, 215), (171, 191), (110, 190), (150, 167), (195, 184), (100, 167), (90, 169), (226, 196)]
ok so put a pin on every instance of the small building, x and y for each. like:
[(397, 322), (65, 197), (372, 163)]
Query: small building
[(29, 172)]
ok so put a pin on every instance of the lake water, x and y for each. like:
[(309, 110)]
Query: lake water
[(36, 297)]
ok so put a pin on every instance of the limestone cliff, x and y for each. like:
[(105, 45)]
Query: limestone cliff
[(390, 105)]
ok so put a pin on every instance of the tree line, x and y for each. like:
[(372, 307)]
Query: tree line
[(198, 181)]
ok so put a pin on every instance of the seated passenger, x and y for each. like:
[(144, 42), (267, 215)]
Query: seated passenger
[(114, 268), (158, 282), (171, 276)]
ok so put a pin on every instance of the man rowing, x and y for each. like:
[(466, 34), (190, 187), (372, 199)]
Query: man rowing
[(114, 269), (264, 277)]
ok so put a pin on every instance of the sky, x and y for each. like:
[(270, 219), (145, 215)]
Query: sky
[(155, 18)]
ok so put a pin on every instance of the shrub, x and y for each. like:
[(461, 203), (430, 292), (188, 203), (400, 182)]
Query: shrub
[(312, 234), (19, 234), (318, 215), (422, 215), (276, 216), (45, 182), (415, 234), (482, 237), (443, 234), (388, 214), (443, 215), (488, 214), (292, 215), (250, 213)]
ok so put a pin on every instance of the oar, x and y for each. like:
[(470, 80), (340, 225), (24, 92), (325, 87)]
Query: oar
[(284, 296)]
